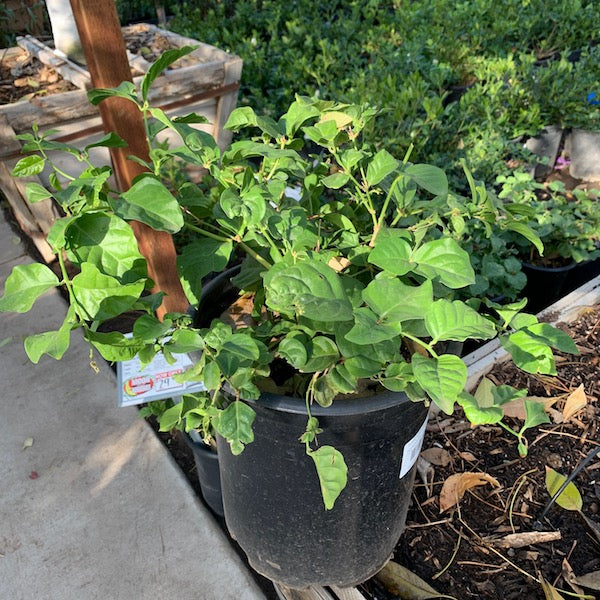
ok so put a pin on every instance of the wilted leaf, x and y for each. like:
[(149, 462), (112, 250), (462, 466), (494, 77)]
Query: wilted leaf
[(590, 580), (456, 485), (570, 498), (468, 456), (437, 456), (401, 582), (550, 591), (575, 402)]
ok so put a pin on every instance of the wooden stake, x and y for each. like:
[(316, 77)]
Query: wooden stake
[(104, 48)]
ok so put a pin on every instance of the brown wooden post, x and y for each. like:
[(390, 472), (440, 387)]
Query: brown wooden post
[(104, 48)]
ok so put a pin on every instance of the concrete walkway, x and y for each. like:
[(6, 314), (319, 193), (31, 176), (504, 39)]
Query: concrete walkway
[(95, 508)]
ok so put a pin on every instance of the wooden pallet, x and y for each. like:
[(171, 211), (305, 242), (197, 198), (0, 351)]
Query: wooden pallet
[(208, 87)]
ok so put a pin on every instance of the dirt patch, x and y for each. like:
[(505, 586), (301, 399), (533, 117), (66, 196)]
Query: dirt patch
[(454, 550)]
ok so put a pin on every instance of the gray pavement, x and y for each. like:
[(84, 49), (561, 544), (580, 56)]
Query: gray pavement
[(95, 508)]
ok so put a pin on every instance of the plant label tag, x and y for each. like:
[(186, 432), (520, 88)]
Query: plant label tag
[(155, 381), (412, 450)]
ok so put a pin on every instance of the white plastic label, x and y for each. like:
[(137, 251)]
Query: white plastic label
[(153, 382), (412, 450)]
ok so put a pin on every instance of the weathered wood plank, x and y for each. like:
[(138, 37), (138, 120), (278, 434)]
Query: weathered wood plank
[(8, 142), (347, 593), (227, 102), (313, 593), (61, 64)]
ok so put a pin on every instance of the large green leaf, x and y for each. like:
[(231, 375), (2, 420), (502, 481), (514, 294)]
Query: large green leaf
[(391, 299), (443, 378), (114, 346), (332, 471), (445, 259), (106, 241), (199, 258), (150, 202), (529, 353), (429, 177), (554, 337), (298, 113), (477, 413), (25, 285), (457, 321), (392, 252), (370, 329), (166, 59), (100, 297), (52, 343), (243, 116), (308, 288), (380, 166), (322, 353), (235, 425)]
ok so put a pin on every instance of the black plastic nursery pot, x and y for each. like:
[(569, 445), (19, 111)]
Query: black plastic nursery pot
[(271, 493), (207, 469), (545, 285), (582, 273), (272, 499)]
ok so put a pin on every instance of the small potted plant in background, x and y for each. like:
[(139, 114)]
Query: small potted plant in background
[(318, 392), (567, 223)]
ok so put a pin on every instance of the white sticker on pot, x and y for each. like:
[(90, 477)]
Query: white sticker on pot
[(153, 382), (412, 450)]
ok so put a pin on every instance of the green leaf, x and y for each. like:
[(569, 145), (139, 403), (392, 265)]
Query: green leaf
[(457, 321), (443, 378), (429, 177), (527, 233), (322, 353), (235, 425), (554, 337), (165, 60), (52, 343), (148, 328), (477, 412), (529, 353), (570, 498), (243, 116), (308, 288), (324, 391), (392, 252), (445, 259), (114, 346), (369, 329), (110, 140), (535, 414), (298, 113), (30, 165), (294, 348), (101, 297), (171, 418), (391, 299), (332, 472), (125, 90), (150, 202), (336, 181), (36, 192), (382, 165), (25, 285), (198, 259)]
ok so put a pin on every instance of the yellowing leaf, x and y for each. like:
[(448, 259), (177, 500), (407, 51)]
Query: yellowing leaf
[(403, 583), (570, 498), (550, 591), (575, 402), (456, 485), (341, 119)]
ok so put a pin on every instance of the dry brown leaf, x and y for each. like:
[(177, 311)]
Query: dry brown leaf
[(515, 409), (527, 538), (403, 583), (575, 402), (437, 456), (468, 456), (590, 580), (456, 485), (339, 263)]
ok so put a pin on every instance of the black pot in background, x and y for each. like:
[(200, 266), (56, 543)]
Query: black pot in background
[(545, 285), (207, 467), (581, 274), (272, 498)]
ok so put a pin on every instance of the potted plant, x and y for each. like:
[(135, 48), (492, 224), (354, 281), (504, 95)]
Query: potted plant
[(320, 376), (567, 223)]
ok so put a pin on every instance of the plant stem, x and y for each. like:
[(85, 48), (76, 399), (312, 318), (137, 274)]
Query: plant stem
[(213, 236)]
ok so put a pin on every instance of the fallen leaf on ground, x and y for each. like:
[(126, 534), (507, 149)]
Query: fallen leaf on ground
[(593, 526), (28, 443), (590, 580), (570, 498), (468, 456), (550, 592), (437, 456), (515, 409), (575, 402), (526, 538), (456, 485), (401, 582)]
